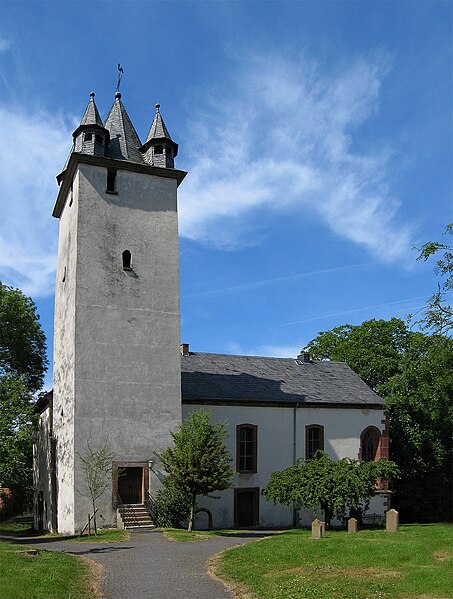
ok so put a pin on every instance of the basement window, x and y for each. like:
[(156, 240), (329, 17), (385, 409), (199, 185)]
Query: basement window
[(127, 260), (111, 180)]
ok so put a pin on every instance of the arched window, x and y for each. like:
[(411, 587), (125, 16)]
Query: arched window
[(314, 440), (369, 444), (246, 447), (126, 260)]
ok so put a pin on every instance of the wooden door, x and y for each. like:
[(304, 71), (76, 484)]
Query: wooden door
[(130, 485), (246, 508)]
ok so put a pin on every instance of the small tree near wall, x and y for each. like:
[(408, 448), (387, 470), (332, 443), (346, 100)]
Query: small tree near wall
[(199, 462), (97, 466)]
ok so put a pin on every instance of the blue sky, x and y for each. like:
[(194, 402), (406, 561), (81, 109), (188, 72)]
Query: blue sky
[(317, 137)]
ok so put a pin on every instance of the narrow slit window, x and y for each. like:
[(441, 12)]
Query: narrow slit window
[(126, 260), (111, 180), (64, 275)]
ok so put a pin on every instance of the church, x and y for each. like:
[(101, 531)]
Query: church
[(122, 376)]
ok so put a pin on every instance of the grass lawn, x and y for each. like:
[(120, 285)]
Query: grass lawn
[(110, 535), (46, 575), (415, 562)]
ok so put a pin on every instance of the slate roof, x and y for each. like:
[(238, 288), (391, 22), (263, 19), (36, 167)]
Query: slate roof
[(124, 141), (91, 116), (158, 129), (229, 378)]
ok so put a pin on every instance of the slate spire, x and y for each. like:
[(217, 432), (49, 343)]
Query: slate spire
[(91, 137), (124, 141), (159, 148)]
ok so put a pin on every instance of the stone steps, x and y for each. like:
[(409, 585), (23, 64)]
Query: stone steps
[(136, 516)]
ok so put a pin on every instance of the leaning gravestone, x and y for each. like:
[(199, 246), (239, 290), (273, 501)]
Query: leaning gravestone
[(353, 525), (391, 521), (318, 529)]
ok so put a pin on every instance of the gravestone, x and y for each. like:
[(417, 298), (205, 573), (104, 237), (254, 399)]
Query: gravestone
[(318, 529), (391, 521), (353, 525)]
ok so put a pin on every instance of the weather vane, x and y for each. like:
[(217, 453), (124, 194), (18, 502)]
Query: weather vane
[(120, 76)]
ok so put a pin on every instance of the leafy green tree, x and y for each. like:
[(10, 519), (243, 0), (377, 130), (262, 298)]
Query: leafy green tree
[(337, 487), (438, 314), (22, 340), (22, 366), (420, 403), (412, 372), (199, 462), (373, 349)]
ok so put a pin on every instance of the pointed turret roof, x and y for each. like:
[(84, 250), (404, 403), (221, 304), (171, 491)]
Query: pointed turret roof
[(91, 116), (159, 132), (158, 129), (124, 141)]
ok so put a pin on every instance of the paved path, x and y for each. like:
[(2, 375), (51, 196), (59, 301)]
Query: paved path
[(150, 567)]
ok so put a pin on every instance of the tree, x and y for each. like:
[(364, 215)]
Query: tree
[(420, 404), (199, 462), (373, 349), (438, 314), (97, 466), (411, 371), (337, 487), (22, 366), (22, 341)]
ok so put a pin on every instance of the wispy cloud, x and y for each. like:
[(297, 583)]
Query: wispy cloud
[(34, 150), (275, 351), (362, 309), (276, 280), (280, 137), (5, 44)]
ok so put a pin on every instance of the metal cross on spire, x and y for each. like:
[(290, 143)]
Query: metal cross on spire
[(120, 76)]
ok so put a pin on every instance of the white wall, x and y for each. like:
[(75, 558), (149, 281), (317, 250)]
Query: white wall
[(342, 429)]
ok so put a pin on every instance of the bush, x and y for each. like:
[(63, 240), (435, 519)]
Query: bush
[(172, 506)]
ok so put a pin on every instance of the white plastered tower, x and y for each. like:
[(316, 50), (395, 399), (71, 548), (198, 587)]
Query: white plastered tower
[(116, 341)]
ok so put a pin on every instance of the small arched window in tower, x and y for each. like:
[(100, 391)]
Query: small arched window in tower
[(127, 260), (158, 149), (88, 136), (369, 444)]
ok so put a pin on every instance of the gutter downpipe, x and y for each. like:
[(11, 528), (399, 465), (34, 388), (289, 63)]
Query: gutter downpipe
[(295, 511)]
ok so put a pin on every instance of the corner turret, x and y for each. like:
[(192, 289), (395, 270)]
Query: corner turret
[(159, 148), (91, 137)]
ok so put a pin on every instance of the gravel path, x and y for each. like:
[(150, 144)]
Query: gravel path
[(150, 567)]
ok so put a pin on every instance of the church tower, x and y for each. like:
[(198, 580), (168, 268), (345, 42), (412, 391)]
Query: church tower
[(116, 341)]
